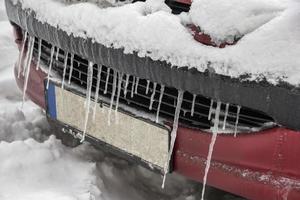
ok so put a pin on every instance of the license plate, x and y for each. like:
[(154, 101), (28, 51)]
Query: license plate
[(132, 135)]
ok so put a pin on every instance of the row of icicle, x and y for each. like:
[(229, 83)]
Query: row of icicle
[(116, 90)]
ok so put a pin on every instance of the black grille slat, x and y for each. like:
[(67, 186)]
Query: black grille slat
[(141, 100)]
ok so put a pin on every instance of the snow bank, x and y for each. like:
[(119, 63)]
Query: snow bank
[(271, 47)]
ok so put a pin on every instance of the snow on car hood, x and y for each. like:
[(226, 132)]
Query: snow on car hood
[(270, 49), (225, 20)]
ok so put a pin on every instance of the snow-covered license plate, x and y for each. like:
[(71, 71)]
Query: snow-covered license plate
[(134, 136)]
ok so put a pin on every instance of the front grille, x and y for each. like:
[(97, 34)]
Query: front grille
[(138, 99)]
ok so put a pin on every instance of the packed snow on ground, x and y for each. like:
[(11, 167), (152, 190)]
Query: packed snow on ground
[(34, 166), (269, 47)]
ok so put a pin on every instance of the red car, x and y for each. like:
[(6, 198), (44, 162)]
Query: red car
[(146, 97)]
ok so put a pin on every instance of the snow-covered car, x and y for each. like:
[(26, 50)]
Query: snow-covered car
[(173, 86)]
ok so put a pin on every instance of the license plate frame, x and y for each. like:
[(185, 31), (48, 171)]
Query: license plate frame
[(155, 155)]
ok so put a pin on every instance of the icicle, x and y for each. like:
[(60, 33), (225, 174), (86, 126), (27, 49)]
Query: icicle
[(97, 91), (173, 135), (89, 82), (106, 81), (126, 84), (120, 77), (210, 109), (39, 54), (226, 115), (193, 105), (50, 66), (57, 53), (237, 120), (148, 85), (152, 96), (27, 67), (211, 146), (132, 87), (27, 55), (22, 54), (136, 85), (65, 70), (71, 68), (112, 96), (162, 90)]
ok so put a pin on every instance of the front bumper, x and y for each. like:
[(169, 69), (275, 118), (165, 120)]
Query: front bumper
[(261, 165)]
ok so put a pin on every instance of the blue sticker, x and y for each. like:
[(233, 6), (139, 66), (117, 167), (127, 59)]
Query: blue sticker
[(51, 101)]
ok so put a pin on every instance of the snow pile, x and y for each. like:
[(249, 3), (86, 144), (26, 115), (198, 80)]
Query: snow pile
[(32, 170), (270, 49), (226, 20)]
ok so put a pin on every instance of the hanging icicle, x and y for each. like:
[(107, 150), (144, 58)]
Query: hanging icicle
[(71, 68), (226, 115), (21, 55), (126, 84), (50, 66), (112, 96), (132, 87), (210, 109), (211, 146), (147, 88), (107, 80), (173, 135), (89, 82), (162, 90), (237, 120), (120, 80), (152, 96), (27, 67), (97, 91), (65, 70), (57, 53), (39, 54), (193, 105), (136, 85)]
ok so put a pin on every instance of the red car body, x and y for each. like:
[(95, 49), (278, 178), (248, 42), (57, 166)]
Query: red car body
[(260, 166)]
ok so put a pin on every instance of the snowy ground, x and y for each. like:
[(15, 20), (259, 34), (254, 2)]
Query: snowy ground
[(34, 166)]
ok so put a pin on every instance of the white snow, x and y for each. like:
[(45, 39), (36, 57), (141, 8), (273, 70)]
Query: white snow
[(225, 20), (271, 44)]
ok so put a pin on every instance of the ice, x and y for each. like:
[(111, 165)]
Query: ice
[(120, 79), (107, 80), (65, 70), (173, 135), (226, 115), (193, 105), (57, 53), (211, 146), (152, 96), (148, 85), (88, 98), (136, 85), (22, 54), (71, 68), (210, 109), (126, 84), (50, 66), (237, 120), (112, 96), (162, 90), (39, 54), (27, 67), (133, 87), (97, 91)]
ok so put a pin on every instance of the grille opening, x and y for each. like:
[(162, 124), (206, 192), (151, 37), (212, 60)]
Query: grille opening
[(249, 119)]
